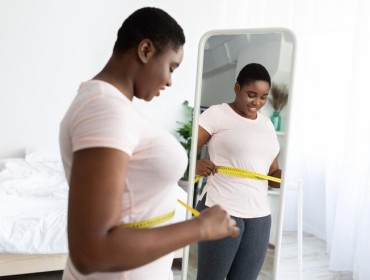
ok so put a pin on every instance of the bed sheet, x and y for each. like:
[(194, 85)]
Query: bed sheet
[(33, 207)]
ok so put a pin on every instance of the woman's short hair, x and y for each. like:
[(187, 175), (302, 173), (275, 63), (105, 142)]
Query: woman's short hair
[(253, 72), (149, 23)]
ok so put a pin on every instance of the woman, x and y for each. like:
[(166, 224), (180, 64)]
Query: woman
[(238, 136), (122, 169)]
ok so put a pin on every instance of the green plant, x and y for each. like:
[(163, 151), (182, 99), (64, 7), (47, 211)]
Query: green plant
[(185, 132)]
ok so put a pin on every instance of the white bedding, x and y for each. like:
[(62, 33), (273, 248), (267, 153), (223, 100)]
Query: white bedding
[(33, 205)]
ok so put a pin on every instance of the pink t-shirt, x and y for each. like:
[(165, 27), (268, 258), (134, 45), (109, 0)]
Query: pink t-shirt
[(101, 116), (242, 143)]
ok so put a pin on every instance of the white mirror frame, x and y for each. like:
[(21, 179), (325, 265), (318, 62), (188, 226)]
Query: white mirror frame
[(193, 152)]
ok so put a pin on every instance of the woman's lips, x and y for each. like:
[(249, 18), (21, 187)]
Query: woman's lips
[(252, 109)]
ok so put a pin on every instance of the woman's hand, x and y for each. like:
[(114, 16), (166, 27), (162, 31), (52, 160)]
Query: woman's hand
[(215, 223), (274, 172), (205, 167)]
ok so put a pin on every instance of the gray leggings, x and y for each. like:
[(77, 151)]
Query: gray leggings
[(238, 258)]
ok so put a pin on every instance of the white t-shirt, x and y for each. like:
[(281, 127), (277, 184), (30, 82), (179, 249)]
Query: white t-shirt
[(242, 143), (101, 116)]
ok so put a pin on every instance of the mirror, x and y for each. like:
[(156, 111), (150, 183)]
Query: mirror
[(222, 54)]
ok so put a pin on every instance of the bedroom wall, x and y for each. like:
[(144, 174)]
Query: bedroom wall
[(48, 47)]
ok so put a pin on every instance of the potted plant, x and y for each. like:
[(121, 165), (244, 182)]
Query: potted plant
[(278, 99), (184, 132)]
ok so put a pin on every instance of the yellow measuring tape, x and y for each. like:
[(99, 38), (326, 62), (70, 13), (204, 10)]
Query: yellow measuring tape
[(160, 219), (232, 171), (151, 222), (237, 172), (191, 209)]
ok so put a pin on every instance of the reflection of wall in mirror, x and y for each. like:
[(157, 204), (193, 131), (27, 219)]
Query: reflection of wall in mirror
[(220, 59), (218, 88)]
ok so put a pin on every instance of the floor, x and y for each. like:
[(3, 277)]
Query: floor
[(315, 259), (315, 263)]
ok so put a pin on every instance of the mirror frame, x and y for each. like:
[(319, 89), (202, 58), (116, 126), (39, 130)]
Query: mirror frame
[(193, 152)]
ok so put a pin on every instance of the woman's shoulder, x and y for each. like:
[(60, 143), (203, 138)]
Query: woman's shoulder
[(263, 117), (95, 89), (97, 99), (100, 96), (216, 108), (265, 120)]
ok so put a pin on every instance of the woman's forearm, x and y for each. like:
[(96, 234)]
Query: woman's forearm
[(277, 174)]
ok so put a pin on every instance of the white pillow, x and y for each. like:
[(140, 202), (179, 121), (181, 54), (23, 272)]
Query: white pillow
[(33, 155)]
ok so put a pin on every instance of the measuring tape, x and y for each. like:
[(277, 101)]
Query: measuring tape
[(191, 209), (237, 172), (151, 222), (232, 171)]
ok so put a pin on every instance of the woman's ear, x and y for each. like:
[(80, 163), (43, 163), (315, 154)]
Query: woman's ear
[(236, 87), (145, 50)]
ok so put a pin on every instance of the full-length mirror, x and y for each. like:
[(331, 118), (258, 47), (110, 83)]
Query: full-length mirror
[(241, 119)]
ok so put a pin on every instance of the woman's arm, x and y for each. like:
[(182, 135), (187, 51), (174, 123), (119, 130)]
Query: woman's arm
[(204, 167), (274, 172), (203, 137), (97, 242)]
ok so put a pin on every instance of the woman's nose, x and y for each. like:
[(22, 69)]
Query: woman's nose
[(169, 82)]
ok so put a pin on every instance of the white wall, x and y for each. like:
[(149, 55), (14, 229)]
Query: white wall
[(48, 47)]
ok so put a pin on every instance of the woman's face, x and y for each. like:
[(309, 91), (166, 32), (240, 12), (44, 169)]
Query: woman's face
[(250, 98), (156, 75)]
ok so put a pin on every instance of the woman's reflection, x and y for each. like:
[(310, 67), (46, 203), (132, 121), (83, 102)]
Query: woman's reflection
[(238, 136)]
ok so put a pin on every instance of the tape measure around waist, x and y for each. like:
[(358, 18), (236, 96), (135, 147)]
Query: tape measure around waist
[(232, 171), (237, 172), (150, 222)]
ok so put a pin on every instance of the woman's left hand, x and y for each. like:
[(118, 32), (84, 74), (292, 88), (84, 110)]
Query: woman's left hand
[(205, 167)]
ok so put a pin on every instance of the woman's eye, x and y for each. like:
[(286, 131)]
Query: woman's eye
[(171, 69)]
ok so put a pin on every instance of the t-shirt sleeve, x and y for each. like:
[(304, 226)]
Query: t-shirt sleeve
[(105, 122), (209, 119)]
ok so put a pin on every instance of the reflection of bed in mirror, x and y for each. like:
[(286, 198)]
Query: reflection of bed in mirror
[(222, 54)]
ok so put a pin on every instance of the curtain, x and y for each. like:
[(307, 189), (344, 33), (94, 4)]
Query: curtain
[(348, 176)]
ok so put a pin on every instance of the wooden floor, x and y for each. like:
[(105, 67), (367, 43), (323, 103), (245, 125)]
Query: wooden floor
[(315, 259), (315, 263)]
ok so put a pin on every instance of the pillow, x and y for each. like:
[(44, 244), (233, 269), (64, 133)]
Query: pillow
[(36, 155)]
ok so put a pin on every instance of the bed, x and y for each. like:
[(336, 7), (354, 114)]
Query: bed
[(33, 213)]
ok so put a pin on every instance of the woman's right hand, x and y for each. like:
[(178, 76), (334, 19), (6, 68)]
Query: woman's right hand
[(205, 167), (215, 223)]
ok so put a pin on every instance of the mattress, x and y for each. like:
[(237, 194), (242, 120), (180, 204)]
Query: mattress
[(33, 205)]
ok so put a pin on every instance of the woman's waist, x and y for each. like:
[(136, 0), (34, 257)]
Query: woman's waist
[(244, 203), (161, 206), (235, 182)]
